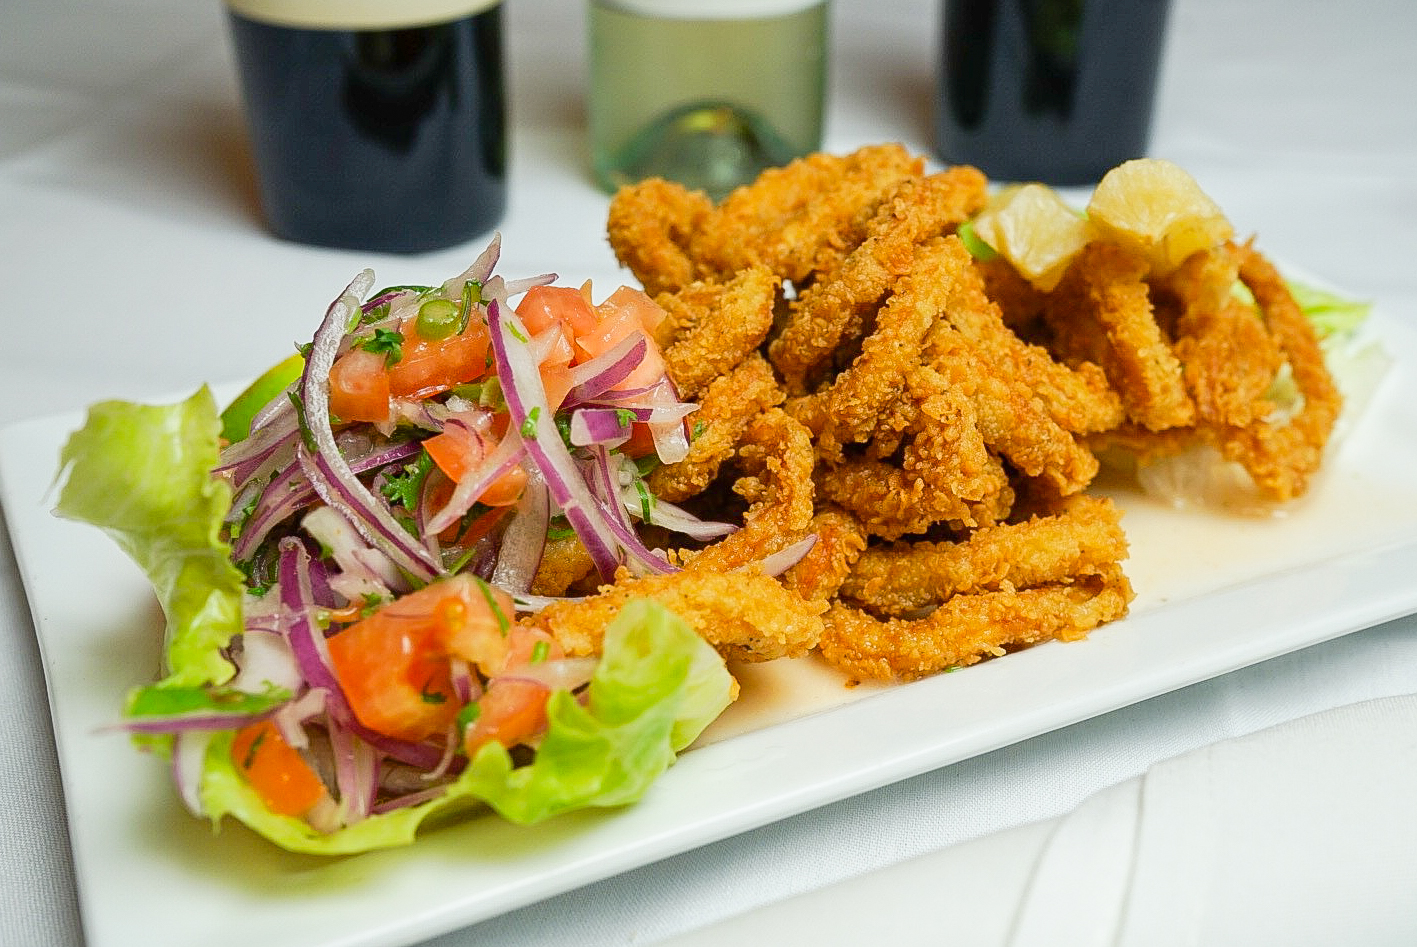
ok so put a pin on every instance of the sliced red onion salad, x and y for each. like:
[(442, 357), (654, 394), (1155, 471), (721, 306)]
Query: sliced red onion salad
[(330, 518)]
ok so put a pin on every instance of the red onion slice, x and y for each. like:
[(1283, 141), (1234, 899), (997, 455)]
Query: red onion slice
[(524, 540), (329, 472), (595, 377), (608, 542)]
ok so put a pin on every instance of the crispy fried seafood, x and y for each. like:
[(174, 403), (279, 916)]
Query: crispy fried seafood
[(926, 418)]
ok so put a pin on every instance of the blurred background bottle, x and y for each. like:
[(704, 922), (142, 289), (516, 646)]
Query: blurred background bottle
[(375, 125), (1058, 91), (704, 92)]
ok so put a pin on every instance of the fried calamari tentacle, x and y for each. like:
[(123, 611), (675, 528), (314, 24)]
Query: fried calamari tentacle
[(650, 225), (799, 219), (745, 615), (1282, 456), (1077, 396), (777, 459), (564, 563), (716, 326), (1011, 419), (859, 394), (902, 578), (919, 210), (946, 475), (967, 629), (1228, 355), (1101, 312), (726, 408), (840, 540)]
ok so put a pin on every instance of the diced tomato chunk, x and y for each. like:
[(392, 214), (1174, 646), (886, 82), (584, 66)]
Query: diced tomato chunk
[(510, 712), (618, 325), (531, 645), (544, 306), (641, 442), (457, 449), (646, 311), (276, 770), (506, 489), (393, 666), (359, 387), (430, 366)]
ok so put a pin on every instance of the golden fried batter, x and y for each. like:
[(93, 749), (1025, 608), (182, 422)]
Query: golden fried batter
[(1229, 356), (728, 405), (746, 615), (1101, 312), (930, 419), (904, 578), (840, 540), (776, 455), (564, 562), (799, 219), (716, 326), (1011, 419), (649, 227), (822, 315), (967, 629), (1281, 457), (858, 395)]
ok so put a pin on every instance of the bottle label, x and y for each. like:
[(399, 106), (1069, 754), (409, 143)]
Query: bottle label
[(709, 9), (357, 14)]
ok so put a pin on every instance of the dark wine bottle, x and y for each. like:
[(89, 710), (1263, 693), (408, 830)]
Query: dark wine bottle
[(372, 133), (1058, 91)]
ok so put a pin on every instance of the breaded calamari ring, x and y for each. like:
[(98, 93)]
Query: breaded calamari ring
[(919, 210), (946, 475), (1281, 457), (1229, 358), (1101, 312), (1077, 396), (650, 224), (726, 408), (840, 540), (967, 629), (716, 326), (903, 578), (1280, 454), (777, 458), (745, 615), (800, 218)]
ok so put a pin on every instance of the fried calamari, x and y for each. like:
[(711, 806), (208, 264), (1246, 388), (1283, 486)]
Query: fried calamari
[(925, 422)]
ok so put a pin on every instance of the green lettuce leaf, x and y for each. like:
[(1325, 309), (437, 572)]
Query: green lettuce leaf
[(142, 474), (657, 687), (1331, 314)]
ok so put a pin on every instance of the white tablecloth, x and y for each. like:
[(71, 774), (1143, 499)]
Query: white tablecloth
[(129, 240)]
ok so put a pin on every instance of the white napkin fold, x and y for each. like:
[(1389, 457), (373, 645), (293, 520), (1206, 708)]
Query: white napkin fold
[(1301, 834)]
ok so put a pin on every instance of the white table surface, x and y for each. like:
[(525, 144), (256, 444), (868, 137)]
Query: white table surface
[(129, 235)]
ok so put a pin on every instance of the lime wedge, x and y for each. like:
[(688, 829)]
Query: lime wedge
[(236, 419)]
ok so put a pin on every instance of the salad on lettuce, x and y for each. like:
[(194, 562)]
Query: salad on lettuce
[(342, 553)]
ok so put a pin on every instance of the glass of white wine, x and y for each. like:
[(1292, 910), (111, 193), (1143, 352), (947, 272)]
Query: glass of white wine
[(704, 92)]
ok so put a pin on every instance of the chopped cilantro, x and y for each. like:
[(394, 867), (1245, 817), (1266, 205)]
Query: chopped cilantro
[(528, 429), (307, 436), (385, 342), (406, 487)]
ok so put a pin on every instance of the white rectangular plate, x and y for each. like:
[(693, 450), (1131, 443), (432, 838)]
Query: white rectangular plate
[(1214, 594)]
